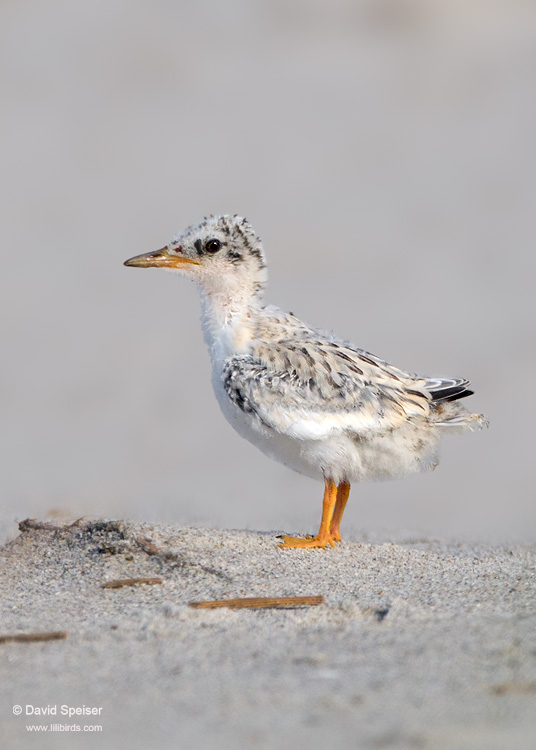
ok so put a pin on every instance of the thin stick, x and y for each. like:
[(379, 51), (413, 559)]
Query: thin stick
[(148, 546), (31, 637), (514, 687), (117, 584), (261, 602), (30, 524)]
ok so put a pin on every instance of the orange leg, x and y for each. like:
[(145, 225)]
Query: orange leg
[(324, 536), (343, 493)]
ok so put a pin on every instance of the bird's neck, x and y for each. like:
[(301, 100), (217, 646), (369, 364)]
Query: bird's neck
[(228, 322)]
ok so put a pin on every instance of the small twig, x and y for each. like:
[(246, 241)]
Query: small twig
[(261, 602), (32, 637), (76, 523), (514, 687), (31, 524), (148, 546), (117, 584), (173, 557)]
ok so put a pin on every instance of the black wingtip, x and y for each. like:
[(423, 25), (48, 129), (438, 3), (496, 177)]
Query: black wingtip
[(451, 394)]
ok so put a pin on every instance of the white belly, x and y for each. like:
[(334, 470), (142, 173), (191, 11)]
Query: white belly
[(285, 450), (341, 456)]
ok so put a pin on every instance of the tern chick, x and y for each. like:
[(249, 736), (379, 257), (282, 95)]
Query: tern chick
[(311, 401)]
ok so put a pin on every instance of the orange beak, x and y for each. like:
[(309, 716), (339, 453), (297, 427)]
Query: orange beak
[(160, 259)]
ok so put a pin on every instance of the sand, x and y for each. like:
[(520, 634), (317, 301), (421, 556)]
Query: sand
[(420, 644)]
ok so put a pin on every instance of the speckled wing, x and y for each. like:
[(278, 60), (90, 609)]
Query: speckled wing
[(309, 392)]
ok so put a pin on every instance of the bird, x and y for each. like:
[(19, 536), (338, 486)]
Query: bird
[(313, 402)]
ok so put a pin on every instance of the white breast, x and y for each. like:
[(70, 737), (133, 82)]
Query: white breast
[(285, 450)]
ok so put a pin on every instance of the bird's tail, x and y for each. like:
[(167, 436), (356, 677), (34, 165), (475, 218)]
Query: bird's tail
[(446, 392), (463, 420)]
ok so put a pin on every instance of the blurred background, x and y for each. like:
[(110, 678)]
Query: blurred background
[(385, 152)]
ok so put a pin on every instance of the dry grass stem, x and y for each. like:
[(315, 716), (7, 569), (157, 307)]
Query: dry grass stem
[(33, 637), (261, 602), (120, 582)]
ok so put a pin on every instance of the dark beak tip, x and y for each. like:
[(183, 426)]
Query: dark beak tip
[(135, 262), (146, 260)]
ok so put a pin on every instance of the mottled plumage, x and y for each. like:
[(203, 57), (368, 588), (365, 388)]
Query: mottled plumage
[(311, 401)]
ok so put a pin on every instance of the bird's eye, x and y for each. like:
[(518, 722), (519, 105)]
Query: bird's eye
[(212, 246)]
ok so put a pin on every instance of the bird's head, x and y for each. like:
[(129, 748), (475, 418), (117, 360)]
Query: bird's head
[(221, 253)]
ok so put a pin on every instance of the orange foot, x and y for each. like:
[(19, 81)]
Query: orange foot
[(333, 505), (310, 542)]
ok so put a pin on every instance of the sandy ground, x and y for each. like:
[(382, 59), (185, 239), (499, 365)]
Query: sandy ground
[(420, 644)]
